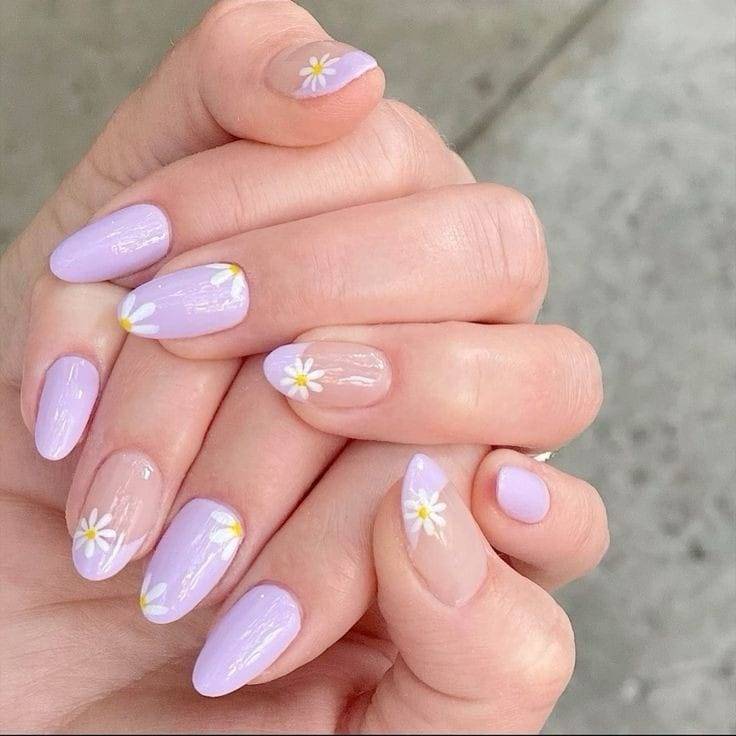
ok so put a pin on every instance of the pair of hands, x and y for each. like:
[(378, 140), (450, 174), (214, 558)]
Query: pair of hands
[(464, 640)]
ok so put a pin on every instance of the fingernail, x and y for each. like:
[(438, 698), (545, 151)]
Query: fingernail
[(189, 560), (443, 540), (69, 392), (317, 69), (187, 303), (121, 505), (330, 374), (248, 639), (117, 244), (521, 494)]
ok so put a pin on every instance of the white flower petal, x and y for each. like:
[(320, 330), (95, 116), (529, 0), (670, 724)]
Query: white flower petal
[(305, 70), (83, 524), (89, 548), (104, 521), (315, 375), (294, 390), (316, 387), (127, 306), (416, 526), (107, 533), (429, 526), (156, 610), (298, 365), (324, 58), (220, 536), (217, 266), (222, 517), (229, 549), (329, 72), (313, 61), (307, 81), (332, 61), (314, 84), (144, 329), (308, 363), (156, 592), (438, 507), (144, 311), (146, 583), (79, 540), (438, 520), (238, 287), (322, 81), (93, 517), (434, 498), (102, 544), (290, 370), (220, 277), (410, 504), (303, 393)]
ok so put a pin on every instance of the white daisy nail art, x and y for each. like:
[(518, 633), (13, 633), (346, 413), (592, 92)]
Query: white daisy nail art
[(94, 533), (300, 379), (226, 271), (425, 512), (229, 533), (147, 598), (129, 318), (317, 71)]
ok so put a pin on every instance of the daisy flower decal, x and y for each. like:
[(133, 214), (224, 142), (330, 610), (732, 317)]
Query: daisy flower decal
[(317, 71), (425, 512), (94, 532), (229, 533), (226, 272), (149, 595), (300, 379), (129, 317)]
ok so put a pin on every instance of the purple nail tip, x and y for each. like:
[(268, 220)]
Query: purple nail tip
[(190, 559), (247, 640), (68, 395), (348, 68), (117, 244), (102, 564), (521, 494), (187, 303)]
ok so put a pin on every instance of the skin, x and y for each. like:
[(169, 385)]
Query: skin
[(369, 642)]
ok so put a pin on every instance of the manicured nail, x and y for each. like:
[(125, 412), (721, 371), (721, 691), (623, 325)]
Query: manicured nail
[(187, 303), (121, 505), (521, 494), (69, 392), (191, 557), (248, 639), (443, 540), (117, 244), (330, 374), (317, 69)]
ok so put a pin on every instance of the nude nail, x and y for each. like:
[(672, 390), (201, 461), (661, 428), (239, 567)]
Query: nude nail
[(329, 374), (445, 544), (117, 515)]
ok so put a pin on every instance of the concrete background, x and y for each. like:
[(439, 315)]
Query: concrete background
[(617, 118)]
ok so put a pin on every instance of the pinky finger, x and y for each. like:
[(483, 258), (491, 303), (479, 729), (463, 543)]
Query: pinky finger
[(551, 526)]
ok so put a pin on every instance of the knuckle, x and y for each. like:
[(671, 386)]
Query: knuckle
[(509, 244)]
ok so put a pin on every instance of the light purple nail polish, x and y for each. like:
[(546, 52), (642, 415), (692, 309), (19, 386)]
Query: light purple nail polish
[(193, 301), (191, 557), (117, 244), (326, 73), (521, 494), (69, 392), (248, 639)]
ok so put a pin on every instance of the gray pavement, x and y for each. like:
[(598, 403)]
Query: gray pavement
[(617, 118)]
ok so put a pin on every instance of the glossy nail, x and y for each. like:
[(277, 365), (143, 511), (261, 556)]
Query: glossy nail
[(189, 560), (318, 68), (117, 515), (69, 392), (445, 544), (117, 244), (521, 494), (247, 640), (187, 303), (329, 374)]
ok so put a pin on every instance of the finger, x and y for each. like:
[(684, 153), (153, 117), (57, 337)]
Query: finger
[(480, 647), (67, 364), (519, 385), (147, 430), (322, 558), (244, 185), (551, 526), (472, 253), (234, 497)]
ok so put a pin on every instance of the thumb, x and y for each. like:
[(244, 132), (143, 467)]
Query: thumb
[(481, 648)]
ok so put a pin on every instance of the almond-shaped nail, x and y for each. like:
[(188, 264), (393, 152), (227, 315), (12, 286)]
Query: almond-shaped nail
[(445, 544), (521, 494), (329, 374), (189, 560), (248, 639), (117, 244), (317, 69), (187, 303), (117, 515), (69, 392)]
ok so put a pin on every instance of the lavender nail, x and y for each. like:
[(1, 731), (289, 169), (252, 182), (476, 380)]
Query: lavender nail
[(521, 494), (69, 392), (191, 557), (187, 303), (118, 244), (248, 639)]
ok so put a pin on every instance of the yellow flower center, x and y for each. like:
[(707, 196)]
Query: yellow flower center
[(317, 68), (301, 379), (423, 512), (237, 528), (142, 602), (234, 270), (126, 324), (91, 533)]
